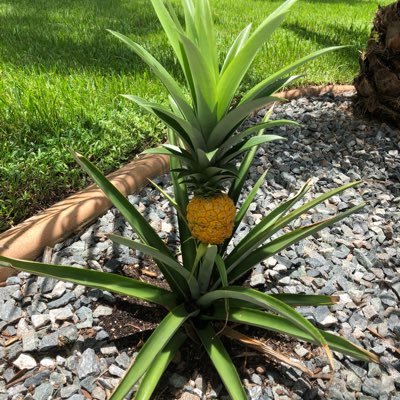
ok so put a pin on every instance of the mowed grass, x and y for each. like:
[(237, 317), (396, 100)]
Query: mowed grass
[(61, 74)]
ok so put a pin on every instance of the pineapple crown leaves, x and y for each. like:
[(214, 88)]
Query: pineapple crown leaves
[(207, 120)]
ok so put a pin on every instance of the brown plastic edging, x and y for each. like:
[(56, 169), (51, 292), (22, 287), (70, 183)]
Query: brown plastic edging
[(29, 239)]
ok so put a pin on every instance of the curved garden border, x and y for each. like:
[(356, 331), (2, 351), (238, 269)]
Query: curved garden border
[(28, 239)]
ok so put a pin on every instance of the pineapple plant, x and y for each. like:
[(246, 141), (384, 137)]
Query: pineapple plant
[(204, 143), (203, 127)]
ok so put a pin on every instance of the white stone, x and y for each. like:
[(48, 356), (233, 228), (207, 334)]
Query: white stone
[(22, 327), (25, 361), (39, 320), (47, 362), (58, 290), (102, 311), (329, 320), (60, 314)]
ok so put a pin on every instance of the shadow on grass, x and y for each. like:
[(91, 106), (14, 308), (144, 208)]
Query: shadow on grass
[(64, 35), (352, 36)]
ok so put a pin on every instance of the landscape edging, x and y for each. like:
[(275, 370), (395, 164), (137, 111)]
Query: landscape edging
[(29, 239)]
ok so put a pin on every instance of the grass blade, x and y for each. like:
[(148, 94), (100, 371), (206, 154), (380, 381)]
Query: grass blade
[(96, 279), (157, 368), (222, 362), (153, 346)]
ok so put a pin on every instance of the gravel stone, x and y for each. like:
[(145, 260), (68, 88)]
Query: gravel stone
[(49, 341), (68, 334), (30, 341), (43, 392), (353, 382), (68, 391), (37, 379), (60, 314), (123, 360), (40, 320), (101, 311), (25, 361), (116, 371), (98, 393), (88, 364), (62, 301), (10, 312), (85, 316)]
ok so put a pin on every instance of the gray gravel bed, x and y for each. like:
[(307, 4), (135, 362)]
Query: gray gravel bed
[(52, 344)]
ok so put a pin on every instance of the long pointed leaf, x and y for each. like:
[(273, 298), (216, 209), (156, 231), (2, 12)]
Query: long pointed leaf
[(245, 263), (188, 133), (234, 73), (249, 198), (297, 300), (260, 87), (235, 47), (207, 266), (153, 346), (274, 221), (188, 246), (237, 185), (256, 235), (237, 138), (167, 261), (254, 141), (157, 368), (268, 302), (96, 279), (279, 324), (169, 82), (204, 85), (222, 362), (170, 27), (168, 152), (206, 34), (234, 118), (134, 218), (271, 87)]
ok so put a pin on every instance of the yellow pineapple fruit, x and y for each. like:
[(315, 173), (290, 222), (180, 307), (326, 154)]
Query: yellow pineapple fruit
[(211, 219)]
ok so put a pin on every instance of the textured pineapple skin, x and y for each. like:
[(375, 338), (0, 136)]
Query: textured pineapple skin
[(211, 219)]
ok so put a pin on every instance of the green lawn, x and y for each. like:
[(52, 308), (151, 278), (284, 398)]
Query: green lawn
[(61, 73)]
